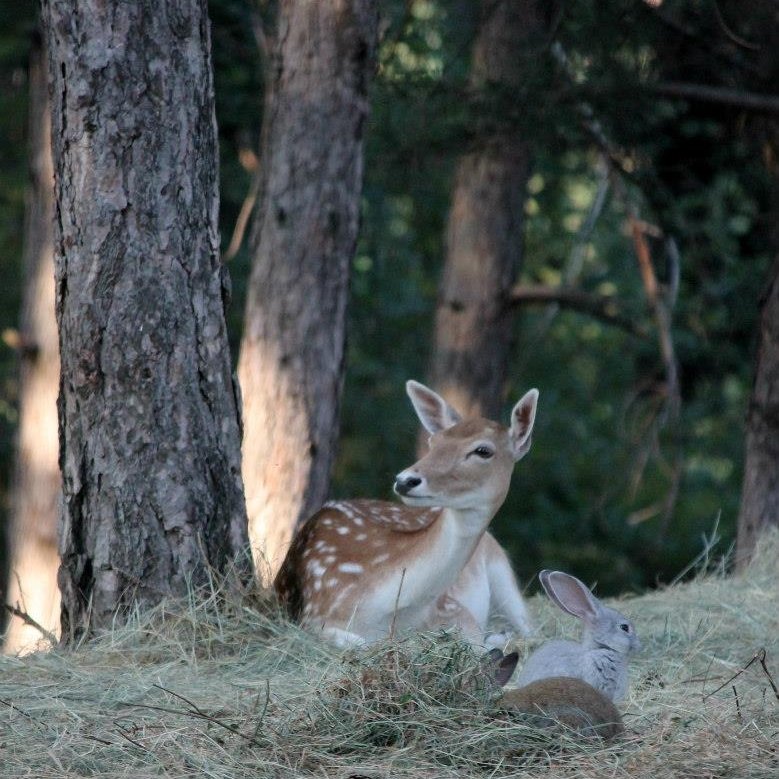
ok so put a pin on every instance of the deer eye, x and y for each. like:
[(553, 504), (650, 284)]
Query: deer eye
[(484, 452)]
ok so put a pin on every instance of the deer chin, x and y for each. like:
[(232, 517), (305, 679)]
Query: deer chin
[(420, 501)]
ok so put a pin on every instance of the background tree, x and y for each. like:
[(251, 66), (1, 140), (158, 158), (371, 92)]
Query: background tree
[(32, 585), (760, 491), (484, 232), (302, 244), (759, 507), (149, 430)]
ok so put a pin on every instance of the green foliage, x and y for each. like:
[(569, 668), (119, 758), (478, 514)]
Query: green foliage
[(589, 496)]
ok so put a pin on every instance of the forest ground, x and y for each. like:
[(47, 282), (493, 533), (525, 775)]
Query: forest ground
[(220, 686)]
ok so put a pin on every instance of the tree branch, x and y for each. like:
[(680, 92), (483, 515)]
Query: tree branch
[(16, 611), (603, 307), (750, 101)]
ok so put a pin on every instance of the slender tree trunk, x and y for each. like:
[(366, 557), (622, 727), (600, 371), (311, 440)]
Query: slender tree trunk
[(149, 422), (32, 583), (760, 490), (303, 242), (484, 232)]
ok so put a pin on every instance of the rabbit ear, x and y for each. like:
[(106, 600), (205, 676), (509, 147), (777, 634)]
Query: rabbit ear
[(502, 666), (506, 667), (570, 594), (495, 655)]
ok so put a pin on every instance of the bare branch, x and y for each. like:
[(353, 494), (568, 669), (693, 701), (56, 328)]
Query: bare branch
[(737, 39), (659, 302), (28, 620), (603, 307), (750, 101)]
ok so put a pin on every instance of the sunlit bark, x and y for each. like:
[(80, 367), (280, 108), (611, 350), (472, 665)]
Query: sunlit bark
[(32, 585), (303, 243)]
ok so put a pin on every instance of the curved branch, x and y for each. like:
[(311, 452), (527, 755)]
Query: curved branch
[(603, 307)]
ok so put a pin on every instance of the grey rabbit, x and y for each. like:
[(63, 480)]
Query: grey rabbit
[(600, 659)]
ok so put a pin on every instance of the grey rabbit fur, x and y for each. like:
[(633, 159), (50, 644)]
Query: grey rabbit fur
[(600, 659)]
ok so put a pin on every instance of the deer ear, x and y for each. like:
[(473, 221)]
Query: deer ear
[(523, 416), (433, 411)]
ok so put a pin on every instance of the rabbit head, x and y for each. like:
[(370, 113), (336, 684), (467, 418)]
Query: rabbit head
[(603, 626)]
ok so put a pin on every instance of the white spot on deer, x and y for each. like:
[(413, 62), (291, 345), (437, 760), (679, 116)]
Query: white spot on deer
[(350, 568), (317, 585), (329, 560), (361, 537), (342, 530), (327, 521), (315, 568), (357, 521), (320, 545), (382, 558), (333, 581)]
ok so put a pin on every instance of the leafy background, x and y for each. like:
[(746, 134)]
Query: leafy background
[(586, 497)]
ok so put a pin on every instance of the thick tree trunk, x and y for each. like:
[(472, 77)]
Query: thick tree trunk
[(484, 232), (303, 242), (760, 490), (34, 560), (149, 423)]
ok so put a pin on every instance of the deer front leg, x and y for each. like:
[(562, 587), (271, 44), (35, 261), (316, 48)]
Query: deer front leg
[(343, 639), (505, 596), (449, 613)]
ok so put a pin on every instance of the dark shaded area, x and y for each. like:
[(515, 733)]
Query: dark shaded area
[(589, 497)]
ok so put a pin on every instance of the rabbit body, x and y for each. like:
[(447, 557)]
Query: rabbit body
[(600, 659), (569, 701), (603, 668)]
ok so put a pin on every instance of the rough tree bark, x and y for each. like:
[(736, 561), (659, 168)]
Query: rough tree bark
[(760, 490), (759, 507), (303, 242), (34, 560), (485, 227), (149, 421)]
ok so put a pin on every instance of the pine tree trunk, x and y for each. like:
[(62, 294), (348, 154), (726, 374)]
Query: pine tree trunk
[(32, 584), (303, 243), (485, 227), (149, 422), (760, 490)]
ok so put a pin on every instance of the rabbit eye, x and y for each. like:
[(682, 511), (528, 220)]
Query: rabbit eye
[(624, 626)]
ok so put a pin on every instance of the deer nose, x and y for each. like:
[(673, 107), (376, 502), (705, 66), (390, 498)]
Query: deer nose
[(404, 483)]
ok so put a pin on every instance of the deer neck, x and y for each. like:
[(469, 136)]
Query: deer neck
[(450, 542), (467, 523)]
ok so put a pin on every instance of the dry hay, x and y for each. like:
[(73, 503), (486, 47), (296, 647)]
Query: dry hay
[(221, 686)]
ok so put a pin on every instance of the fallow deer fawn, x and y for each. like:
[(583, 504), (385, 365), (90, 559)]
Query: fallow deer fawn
[(360, 569)]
